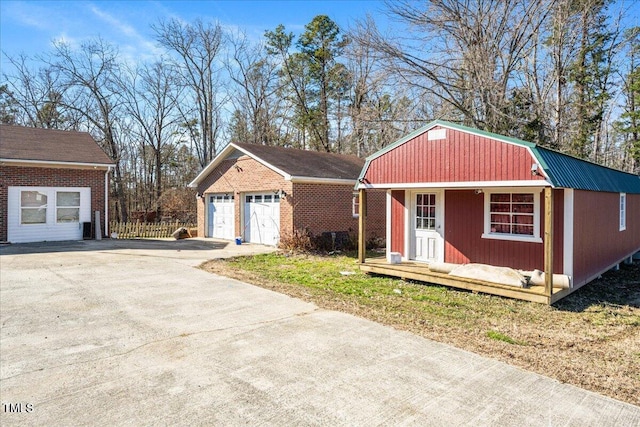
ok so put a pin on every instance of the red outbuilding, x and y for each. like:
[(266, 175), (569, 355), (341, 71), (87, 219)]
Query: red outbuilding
[(458, 196)]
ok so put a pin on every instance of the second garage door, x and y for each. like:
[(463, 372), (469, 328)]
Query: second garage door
[(262, 219)]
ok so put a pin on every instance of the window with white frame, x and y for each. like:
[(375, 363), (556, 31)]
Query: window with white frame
[(623, 211), (67, 206), (512, 215), (33, 207)]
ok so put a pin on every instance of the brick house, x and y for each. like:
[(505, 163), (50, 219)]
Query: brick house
[(261, 193), (51, 183)]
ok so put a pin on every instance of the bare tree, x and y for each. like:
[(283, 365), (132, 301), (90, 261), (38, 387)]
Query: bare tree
[(467, 53), (151, 94), (198, 47), (381, 108), (35, 94), (256, 103), (88, 77)]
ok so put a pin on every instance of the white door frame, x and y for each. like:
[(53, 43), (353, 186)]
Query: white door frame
[(410, 222)]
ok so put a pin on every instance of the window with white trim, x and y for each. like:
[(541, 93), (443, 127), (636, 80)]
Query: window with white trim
[(623, 211), (512, 215), (67, 206), (33, 207)]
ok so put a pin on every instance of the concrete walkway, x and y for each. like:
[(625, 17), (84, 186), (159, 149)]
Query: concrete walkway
[(130, 333)]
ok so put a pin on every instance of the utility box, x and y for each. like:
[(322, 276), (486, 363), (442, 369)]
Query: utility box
[(86, 230)]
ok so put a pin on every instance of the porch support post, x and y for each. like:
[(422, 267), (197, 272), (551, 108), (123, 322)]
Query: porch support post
[(362, 226), (548, 241)]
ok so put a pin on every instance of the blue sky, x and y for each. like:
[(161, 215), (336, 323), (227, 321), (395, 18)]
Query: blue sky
[(29, 26)]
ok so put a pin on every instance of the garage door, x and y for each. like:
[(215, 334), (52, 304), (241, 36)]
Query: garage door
[(38, 214), (221, 216), (262, 218)]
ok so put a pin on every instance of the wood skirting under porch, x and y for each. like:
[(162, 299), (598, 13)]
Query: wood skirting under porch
[(421, 272)]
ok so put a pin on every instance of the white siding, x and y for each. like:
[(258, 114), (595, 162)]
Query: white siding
[(51, 230)]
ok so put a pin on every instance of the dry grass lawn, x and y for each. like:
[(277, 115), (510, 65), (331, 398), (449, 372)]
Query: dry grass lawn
[(590, 339)]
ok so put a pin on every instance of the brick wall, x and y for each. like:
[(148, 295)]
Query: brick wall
[(241, 175), (21, 176), (316, 207), (329, 207)]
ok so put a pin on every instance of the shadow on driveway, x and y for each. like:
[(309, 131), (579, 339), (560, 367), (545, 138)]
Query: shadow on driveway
[(114, 244)]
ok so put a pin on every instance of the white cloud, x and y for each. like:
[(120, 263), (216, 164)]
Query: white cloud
[(123, 27), (133, 45), (28, 15)]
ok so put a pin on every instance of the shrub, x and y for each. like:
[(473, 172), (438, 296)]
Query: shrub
[(298, 241)]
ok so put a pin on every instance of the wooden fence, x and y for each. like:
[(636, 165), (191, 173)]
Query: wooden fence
[(149, 230)]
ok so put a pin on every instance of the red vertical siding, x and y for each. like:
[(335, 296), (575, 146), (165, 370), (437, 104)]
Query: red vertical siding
[(558, 229), (460, 157), (464, 225), (597, 240), (397, 221)]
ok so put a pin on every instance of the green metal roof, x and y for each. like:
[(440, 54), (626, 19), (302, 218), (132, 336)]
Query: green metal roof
[(562, 170), (570, 172)]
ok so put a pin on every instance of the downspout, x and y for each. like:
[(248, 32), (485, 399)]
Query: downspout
[(106, 201)]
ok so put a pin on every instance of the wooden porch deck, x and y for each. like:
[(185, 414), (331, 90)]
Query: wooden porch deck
[(420, 272)]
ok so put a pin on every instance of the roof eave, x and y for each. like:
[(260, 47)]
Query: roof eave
[(40, 163), (319, 180), (223, 154), (455, 185)]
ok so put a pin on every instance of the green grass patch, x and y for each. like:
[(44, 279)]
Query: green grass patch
[(322, 277), (499, 336)]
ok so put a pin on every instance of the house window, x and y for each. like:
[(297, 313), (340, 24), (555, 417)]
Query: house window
[(355, 205), (33, 207), (623, 211), (512, 216), (68, 206)]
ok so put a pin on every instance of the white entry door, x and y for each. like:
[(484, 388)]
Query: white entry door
[(220, 221), (428, 227), (262, 218)]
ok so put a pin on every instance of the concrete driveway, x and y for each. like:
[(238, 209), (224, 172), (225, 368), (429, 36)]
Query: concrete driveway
[(130, 333)]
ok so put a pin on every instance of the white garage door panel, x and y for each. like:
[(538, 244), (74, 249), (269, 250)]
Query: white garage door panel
[(51, 230), (262, 218), (221, 216)]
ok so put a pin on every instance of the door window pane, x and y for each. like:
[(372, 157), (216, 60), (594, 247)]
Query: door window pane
[(68, 206), (68, 215), (33, 207), (425, 211), (68, 198)]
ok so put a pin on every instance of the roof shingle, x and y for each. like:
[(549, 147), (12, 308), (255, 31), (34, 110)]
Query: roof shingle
[(302, 163), (50, 145)]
